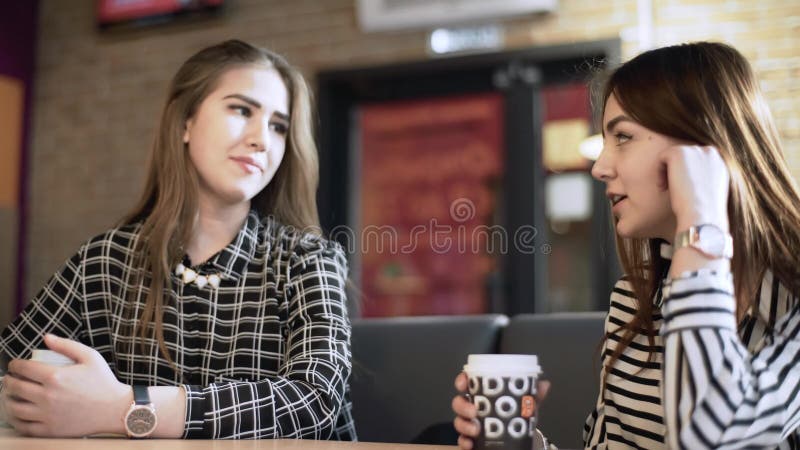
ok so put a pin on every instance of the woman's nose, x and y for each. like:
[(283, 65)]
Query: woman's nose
[(256, 144), (602, 170), (257, 138)]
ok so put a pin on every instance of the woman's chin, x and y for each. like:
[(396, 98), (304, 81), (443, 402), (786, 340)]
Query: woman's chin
[(626, 232), (243, 192), (634, 234)]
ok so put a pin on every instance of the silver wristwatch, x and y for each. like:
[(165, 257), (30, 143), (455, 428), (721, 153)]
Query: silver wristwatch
[(708, 239)]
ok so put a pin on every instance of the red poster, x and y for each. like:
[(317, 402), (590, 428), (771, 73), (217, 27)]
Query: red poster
[(430, 176), (112, 11)]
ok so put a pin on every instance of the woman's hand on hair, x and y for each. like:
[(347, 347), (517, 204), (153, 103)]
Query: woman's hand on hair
[(698, 182), (68, 401)]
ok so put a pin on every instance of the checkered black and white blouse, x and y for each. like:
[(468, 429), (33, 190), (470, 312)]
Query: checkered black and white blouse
[(264, 355)]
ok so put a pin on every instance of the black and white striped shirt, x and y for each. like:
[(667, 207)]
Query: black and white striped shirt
[(711, 383), (264, 355)]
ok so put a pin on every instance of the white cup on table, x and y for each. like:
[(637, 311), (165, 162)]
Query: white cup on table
[(46, 356), (51, 358)]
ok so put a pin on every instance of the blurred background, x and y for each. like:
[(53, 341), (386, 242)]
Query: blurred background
[(452, 133)]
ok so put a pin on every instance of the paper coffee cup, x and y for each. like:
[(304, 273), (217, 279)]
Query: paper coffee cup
[(503, 387), (51, 358), (48, 357)]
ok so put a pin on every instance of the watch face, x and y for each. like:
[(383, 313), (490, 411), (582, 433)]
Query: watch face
[(141, 421), (711, 241)]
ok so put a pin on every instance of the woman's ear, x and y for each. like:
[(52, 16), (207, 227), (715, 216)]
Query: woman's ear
[(186, 129)]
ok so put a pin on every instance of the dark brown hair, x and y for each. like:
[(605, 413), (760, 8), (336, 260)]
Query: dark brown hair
[(706, 93)]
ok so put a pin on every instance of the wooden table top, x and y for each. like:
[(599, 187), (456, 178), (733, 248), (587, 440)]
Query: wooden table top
[(9, 439)]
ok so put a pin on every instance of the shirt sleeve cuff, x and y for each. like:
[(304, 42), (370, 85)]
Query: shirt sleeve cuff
[(195, 413), (702, 299)]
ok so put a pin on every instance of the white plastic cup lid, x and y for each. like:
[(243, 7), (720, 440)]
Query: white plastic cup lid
[(52, 358), (502, 363)]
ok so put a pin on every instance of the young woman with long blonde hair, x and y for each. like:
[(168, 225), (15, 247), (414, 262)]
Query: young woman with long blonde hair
[(215, 309)]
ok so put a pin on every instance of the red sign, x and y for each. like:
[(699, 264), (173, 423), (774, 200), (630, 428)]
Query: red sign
[(430, 173), (114, 11)]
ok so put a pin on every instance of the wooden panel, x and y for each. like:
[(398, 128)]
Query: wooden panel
[(11, 105), (8, 264)]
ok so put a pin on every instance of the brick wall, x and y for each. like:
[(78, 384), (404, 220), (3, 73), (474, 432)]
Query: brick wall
[(98, 94)]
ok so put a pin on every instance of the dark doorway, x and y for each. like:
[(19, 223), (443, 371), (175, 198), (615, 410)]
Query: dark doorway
[(546, 264)]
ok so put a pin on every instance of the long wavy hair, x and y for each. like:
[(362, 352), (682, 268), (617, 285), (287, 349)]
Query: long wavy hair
[(169, 204), (706, 93)]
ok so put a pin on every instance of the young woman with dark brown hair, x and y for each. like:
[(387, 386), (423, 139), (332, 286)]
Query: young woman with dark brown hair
[(702, 347)]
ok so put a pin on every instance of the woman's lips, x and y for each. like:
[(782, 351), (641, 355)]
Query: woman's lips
[(248, 164), (615, 204)]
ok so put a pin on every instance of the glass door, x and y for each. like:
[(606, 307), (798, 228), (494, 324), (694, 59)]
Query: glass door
[(428, 204)]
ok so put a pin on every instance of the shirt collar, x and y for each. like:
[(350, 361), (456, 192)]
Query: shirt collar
[(232, 260)]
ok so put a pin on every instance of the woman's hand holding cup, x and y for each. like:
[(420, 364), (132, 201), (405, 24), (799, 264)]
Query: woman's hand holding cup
[(466, 421)]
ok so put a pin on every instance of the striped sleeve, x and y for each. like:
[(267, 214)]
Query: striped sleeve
[(716, 393), (591, 436), (306, 397)]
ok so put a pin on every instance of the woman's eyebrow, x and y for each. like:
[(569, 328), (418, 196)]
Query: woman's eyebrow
[(245, 99), (613, 122), (256, 104)]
